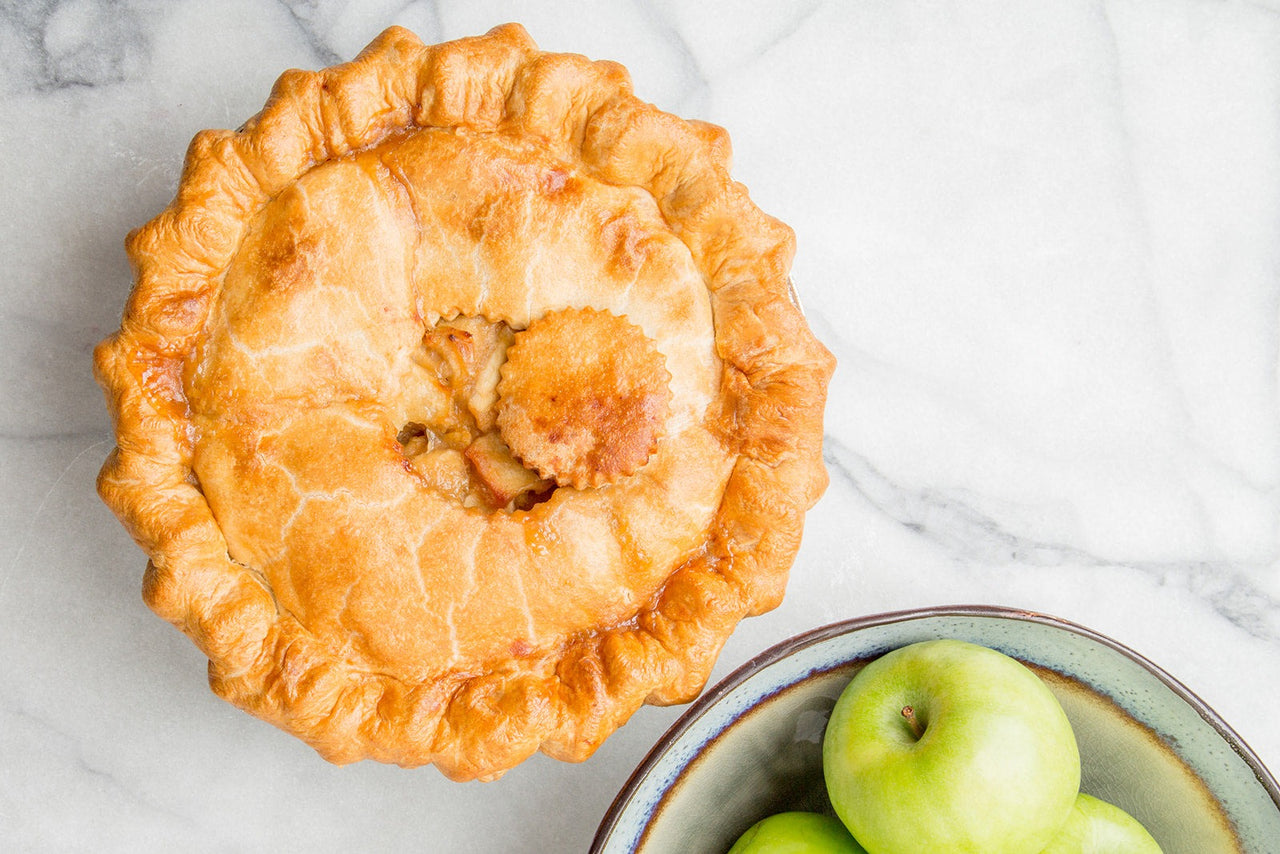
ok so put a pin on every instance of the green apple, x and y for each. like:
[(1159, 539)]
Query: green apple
[(948, 746), (797, 833), (1097, 827)]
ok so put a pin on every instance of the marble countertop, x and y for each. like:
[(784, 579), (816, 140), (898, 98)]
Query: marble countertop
[(1041, 240)]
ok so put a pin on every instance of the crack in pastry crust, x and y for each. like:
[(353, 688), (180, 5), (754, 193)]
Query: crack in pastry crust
[(270, 376)]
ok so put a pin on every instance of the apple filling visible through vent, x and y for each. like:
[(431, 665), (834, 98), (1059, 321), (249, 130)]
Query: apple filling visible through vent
[(452, 441), (585, 400)]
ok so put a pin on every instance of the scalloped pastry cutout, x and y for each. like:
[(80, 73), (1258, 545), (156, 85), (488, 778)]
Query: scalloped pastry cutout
[(584, 397), (326, 375)]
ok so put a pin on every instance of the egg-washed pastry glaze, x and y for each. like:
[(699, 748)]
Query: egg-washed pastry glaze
[(460, 405)]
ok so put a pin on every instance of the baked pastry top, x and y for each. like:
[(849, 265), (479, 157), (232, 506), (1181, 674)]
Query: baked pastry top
[(461, 406)]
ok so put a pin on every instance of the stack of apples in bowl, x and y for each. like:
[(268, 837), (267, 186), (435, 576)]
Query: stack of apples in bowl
[(946, 745), (956, 729)]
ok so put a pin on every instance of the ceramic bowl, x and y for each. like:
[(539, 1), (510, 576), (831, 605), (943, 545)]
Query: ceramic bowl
[(752, 745)]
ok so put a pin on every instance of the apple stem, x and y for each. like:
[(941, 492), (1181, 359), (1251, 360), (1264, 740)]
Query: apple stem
[(917, 728)]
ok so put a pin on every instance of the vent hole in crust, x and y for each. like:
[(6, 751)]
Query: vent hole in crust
[(451, 438)]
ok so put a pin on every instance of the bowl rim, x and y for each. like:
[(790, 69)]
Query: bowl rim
[(822, 633)]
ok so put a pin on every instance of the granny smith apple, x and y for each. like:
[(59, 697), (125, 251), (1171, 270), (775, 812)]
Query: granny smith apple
[(1097, 827), (948, 746), (797, 833)]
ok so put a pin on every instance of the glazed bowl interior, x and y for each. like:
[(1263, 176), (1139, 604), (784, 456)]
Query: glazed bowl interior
[(752, 745)]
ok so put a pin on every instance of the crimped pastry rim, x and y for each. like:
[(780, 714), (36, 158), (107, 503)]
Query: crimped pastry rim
[(773, 388)]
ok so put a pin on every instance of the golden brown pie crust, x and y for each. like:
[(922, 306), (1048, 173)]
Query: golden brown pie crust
[(321, 398)]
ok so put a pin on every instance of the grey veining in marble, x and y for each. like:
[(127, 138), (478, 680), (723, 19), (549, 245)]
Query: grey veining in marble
[(1041, 240)]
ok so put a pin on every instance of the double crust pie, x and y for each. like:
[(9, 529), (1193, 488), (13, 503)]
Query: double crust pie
[(461, 406)]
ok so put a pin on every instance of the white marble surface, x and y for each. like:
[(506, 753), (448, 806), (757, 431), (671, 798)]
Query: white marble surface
[(1042, 240)]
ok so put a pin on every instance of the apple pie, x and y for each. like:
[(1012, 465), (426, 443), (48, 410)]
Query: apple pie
[(461, 406)]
